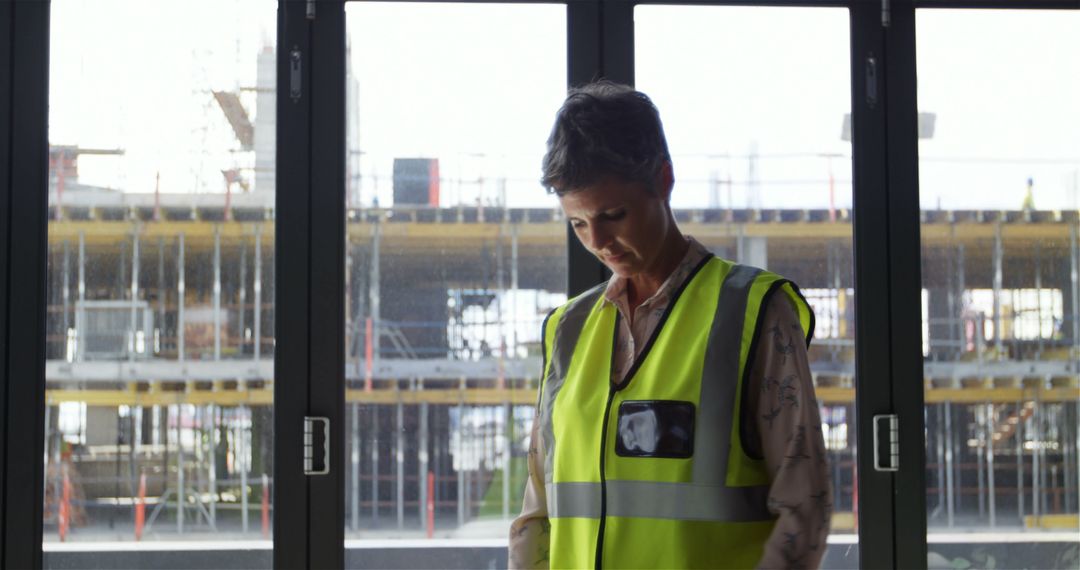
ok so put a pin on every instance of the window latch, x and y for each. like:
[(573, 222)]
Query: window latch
[(295, 77), (886, 442), (316, 445)]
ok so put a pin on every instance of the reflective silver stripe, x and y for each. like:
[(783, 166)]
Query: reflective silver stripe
[(567, 332), (672, 501), (573, 500), (720, 377)]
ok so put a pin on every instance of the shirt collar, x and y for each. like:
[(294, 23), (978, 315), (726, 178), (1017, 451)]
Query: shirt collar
[(616, 291)]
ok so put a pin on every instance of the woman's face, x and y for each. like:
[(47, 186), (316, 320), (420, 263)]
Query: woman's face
[(621, 223)]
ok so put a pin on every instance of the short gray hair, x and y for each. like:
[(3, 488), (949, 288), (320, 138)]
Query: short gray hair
[(604, 129)]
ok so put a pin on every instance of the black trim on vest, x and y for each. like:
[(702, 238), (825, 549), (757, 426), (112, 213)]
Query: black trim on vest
[(744, 396), (543, 359), (659, 326), (603, 480), (813, 319), (613, 388)]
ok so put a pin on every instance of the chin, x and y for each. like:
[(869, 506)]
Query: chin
[(623, 270)]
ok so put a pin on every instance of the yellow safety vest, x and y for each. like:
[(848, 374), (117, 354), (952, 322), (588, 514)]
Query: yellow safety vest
[(651, 473)]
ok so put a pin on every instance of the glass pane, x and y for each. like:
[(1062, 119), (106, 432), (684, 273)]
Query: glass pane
[(755, 103), (455, 255), (160, 274), (999, 175)]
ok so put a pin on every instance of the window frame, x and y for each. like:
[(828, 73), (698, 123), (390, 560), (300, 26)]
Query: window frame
[(309, 516)]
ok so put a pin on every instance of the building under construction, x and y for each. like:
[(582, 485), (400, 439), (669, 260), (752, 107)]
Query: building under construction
[(161, 344), (160, 348)]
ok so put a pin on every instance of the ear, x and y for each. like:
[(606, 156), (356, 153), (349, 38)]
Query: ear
[(665, 180)]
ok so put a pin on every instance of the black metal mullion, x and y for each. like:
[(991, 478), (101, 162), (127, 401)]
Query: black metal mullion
[(1000, 4), (617, 58), (753, 3), (326, 531), (584, 64), (873, 283), (905, 300), (6, 64), (600, 38), (292, 287), (27, 224)]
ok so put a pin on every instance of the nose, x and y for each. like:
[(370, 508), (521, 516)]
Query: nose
[(597, 238)]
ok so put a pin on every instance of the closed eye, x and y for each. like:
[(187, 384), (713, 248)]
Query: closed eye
[(614, 216)]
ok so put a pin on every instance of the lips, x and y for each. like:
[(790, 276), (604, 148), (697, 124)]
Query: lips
[(616, 258)]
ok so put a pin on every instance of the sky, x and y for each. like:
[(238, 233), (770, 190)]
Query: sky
[(752, 98)]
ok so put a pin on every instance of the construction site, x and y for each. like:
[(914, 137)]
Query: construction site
[(161, 334), (161, 343)]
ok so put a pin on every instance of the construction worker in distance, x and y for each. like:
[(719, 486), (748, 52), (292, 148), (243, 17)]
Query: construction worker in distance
[(676, 422)]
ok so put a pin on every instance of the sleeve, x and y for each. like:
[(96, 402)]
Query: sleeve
[(530, 533), (782, 417)]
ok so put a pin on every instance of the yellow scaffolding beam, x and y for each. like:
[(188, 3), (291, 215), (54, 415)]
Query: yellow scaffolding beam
[(496, 396)]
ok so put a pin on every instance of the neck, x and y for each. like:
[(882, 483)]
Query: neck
[(647, 283)]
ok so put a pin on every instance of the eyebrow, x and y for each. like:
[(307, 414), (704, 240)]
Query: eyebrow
[(598, 213)]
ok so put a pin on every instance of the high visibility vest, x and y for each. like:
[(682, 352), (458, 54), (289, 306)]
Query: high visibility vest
[(651, 472)]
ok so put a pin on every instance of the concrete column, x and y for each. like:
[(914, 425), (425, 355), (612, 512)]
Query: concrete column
[(257, 290), (1036, 461), (1073, 313), (1038, 298), (980, 456), (217, 292), (373, 289), (508, 434), (424, 463), (961, 288), (514, 285), (375, 464), (940, 314), (461, 486), (1019, 455), (134, 326), (354, 465), (241, 449), (211, 460), (180, 299), (65, 292), (79, 312), (159, 329), (242, 312), (992, 495), (997, 262), (950, 497), (400, 463), (752, 250), (181, 498)]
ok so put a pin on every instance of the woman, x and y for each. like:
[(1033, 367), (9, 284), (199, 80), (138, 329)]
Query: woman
[(676, 424)]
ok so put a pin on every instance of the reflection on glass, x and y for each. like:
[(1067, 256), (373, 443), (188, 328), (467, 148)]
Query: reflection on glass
[(455, 256), (160, 275), (755, 104), (998, 177)]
